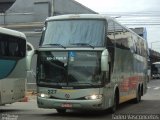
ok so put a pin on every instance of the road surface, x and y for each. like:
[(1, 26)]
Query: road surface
[(149, 105)]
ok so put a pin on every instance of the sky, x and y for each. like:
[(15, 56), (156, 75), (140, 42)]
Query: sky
[(138, 13), (104, 6)]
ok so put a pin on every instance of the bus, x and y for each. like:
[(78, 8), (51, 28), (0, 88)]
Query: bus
[(13, 65), (155, 70), (89, 62)]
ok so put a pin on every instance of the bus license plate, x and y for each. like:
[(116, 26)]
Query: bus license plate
[(66, 105)]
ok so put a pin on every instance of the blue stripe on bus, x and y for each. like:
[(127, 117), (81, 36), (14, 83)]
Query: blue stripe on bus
[(6, 67)]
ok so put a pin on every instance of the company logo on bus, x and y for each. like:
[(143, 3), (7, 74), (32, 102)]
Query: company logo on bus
[(67, 96)]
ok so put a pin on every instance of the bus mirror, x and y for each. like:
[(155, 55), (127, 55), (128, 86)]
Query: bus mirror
[(104, 61), (30, 53)]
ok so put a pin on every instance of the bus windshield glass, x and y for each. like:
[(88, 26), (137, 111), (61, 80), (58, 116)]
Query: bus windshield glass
[(71, 32), (69, 68)]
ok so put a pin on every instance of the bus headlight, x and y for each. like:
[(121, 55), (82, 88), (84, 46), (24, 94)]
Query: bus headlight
[(93, 97), (43, 95)]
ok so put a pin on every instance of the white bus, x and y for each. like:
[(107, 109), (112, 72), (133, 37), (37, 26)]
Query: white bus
[(155, 70), (13, 66), (89, 62)]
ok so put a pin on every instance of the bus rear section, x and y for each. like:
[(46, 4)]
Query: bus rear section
[(12, 66)]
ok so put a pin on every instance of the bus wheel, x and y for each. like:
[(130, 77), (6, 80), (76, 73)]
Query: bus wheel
[(61, 110), (138, 96), (114, 107)]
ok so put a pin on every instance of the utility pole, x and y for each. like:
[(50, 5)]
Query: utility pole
[(4, 16), (52, 7)]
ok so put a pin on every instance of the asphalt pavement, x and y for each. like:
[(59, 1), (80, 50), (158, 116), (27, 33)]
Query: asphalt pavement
[(150, 105)]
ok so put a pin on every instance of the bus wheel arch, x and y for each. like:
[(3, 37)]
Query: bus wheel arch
[(115, 100)]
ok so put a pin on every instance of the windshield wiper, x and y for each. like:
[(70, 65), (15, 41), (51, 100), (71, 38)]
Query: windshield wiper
[(56, 44), (86, 84), (83, 44)]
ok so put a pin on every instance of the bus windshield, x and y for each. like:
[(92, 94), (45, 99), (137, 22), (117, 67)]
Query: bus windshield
[(70, 32), (155, 68), (69, 68)]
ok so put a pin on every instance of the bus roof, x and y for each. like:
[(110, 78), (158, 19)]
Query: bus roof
[(12, 32), (88, 16), (78, 16)]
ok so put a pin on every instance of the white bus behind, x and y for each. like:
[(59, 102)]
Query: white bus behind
[(13, 69)]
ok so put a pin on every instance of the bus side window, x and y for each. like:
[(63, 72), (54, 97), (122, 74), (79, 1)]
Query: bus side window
[(13, 49), (121, 38), (2, 48), (22, 48), (3, 45), (17, 47)]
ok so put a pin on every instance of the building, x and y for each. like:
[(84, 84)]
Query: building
[(5, 5)]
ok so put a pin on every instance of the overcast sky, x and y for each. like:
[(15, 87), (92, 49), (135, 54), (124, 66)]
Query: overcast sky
[(138, 12), (104, 6)]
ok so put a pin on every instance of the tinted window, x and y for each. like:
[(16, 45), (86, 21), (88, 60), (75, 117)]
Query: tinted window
[(121, 37), (12, 47)]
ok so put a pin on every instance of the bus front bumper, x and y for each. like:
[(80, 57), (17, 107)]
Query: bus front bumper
[(70, 104)]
